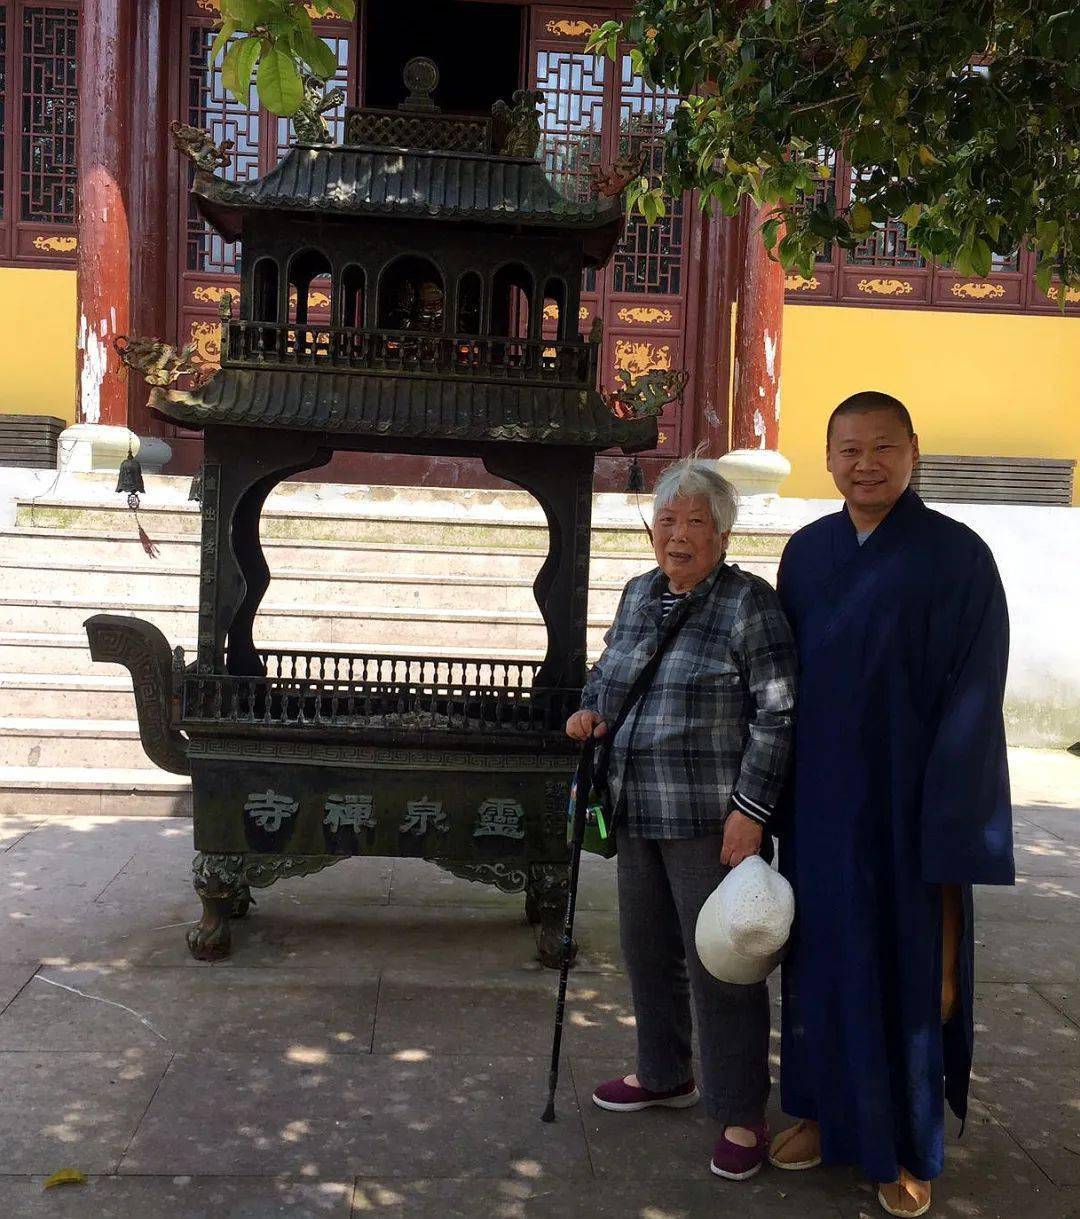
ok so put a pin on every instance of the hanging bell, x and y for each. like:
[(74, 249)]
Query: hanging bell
[(195, 490), (129, 478), (635, 481)]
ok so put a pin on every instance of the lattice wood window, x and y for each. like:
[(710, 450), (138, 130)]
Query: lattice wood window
[(207, 266), (38, 111), (211, 107), (597, 112), (886, 246), (649, 259), (885, 270), (260, 139), (574, 86)]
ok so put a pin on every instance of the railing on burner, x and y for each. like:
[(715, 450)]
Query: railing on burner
[(403, 694), (409, 352)]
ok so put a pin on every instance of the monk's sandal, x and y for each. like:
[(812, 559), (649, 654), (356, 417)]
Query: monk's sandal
[(797, 1148), (906, 1199)]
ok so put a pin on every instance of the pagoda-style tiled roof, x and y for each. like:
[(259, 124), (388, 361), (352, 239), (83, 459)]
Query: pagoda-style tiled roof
[(416, 408), (361, 181)]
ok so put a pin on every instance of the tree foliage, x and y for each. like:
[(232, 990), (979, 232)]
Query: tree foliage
[(961, 118), (274, 40)]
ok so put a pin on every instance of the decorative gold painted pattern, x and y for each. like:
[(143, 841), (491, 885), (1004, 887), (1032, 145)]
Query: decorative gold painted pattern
[(661, 439), (639, 358), (57, 245), (1072, 295), (796, 283), (209, 293), (315, 300), (885, 287), (207, 339), (551, 312), (567, 28), (647, 315), (978, 292)]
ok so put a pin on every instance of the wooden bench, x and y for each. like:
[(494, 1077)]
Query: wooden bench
[(994, 480), (29, 441)]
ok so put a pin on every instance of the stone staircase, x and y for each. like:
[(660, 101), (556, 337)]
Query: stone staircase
[(376, 569)]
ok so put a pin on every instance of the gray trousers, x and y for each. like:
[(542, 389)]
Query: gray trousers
[(662, 887)]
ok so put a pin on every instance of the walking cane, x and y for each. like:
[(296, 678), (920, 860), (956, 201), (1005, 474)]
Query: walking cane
[(582, 785)]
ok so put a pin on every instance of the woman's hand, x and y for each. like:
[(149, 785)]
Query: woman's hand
[(742, 838), (584, 724)]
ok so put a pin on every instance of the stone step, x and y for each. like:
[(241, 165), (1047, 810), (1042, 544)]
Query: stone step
[(108, 744), (96, 697), (319, 626), (35, 548), (179, 587), (53, 791), (25, 652), (459, 520)]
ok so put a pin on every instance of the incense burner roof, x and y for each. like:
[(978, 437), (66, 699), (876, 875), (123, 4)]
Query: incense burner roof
[(414, 408), (344, 181)]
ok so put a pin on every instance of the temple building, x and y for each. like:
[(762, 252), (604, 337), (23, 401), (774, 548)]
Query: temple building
[(98, 238)]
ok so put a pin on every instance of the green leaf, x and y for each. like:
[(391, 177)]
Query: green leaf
[(911, 215), (1044, 275), (861, 218), (280, 88), (240, 61), (856, 53), (247, 13), (769, 231), (228, 29), (345, 9), (980, 257), (315, 53), (1046, 233)]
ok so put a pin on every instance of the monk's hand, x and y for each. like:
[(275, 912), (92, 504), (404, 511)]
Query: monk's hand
[(742, 838), (583, 724)]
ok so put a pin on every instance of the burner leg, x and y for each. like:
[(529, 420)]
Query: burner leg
[(545, 895), (224, 896)]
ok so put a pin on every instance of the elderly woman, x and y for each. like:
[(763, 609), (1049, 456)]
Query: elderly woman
[(696, 771)]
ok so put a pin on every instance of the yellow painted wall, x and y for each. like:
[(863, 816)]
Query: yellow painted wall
[(980, 385), (37, 342)]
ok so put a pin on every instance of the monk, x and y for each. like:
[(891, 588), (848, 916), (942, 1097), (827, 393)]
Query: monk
[(898, 804)]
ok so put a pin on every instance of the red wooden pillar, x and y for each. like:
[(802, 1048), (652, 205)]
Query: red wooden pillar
[(149, 152), (103, 285), (759, 330), (711, 252), (754, 464)]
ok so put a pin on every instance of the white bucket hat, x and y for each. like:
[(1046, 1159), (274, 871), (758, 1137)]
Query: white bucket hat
[(744, 925)]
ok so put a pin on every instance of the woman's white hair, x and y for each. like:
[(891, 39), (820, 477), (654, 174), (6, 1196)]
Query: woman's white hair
[(692, 476)]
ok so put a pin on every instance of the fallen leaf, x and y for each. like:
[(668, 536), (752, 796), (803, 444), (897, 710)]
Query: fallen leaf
[(65, 1176)]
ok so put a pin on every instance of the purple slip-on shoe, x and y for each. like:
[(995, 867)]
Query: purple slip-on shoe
[(736, 1163), (620, 1097)]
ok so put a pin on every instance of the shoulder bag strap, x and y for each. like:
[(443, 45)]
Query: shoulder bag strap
[(637, 689)]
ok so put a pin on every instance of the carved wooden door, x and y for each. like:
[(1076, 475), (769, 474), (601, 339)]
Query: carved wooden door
[(595, 111)]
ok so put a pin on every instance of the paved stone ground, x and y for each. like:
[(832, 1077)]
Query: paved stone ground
[(377, 1046)]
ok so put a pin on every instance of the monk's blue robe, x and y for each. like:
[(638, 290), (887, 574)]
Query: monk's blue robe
[(900, 785)]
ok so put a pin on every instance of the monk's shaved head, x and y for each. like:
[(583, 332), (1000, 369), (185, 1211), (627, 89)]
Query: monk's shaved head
[(867, 401)]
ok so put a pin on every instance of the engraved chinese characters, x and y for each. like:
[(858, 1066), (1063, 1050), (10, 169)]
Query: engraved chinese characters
[(353, 811), (495, 817), (269, 809), (500, 818), (423, 815)]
